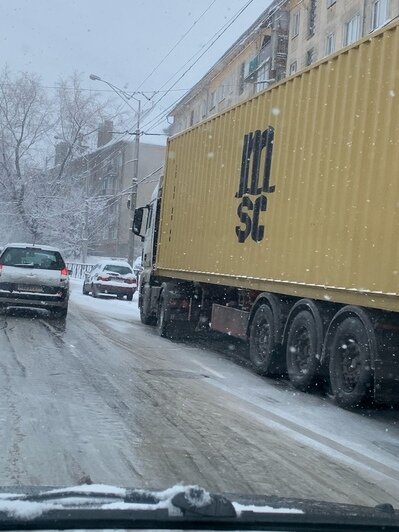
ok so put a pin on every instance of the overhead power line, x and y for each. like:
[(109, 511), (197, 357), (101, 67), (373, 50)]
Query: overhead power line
[(176, 45), (212, 41)]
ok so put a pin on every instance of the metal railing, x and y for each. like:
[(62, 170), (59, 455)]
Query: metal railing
[(79, 269)]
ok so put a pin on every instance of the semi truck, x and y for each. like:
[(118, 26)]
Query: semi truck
[(276, 223)]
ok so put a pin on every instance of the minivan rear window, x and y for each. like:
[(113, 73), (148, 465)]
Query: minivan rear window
[(32, 258)]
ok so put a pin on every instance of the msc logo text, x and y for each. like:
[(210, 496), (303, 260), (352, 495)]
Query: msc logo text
[(254, 181)]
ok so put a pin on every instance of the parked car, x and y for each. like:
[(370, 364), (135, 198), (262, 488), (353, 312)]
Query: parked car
[(114, 277), (34, 276)]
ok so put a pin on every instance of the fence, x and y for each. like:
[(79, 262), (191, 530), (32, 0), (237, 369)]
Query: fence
[(78, 269)]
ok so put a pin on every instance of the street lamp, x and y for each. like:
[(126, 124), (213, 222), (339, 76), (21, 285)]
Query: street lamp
[(133, 196)]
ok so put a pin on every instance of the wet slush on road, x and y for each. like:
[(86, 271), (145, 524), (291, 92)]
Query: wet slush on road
[(102, 396)]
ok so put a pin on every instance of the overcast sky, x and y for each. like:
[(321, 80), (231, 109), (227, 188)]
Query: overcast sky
[(120, 40)]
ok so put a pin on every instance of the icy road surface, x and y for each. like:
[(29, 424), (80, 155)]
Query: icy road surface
[(102, 395)]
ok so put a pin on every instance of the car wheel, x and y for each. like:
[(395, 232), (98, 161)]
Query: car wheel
[(129, 297), (94, 291), (85, 292)]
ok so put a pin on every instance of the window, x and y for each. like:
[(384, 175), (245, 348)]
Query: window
[(35, 258), (263, 77), (310, 57), (221, 93), (293, 67), (380, 13), (241, 79), (330, 3), (192, 117), (212, 100), (352, 30), (330, 43), (312, 18), (295, 24)]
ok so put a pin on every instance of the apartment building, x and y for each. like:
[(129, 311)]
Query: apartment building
[(109, 172), (321, 27), (255, 61)]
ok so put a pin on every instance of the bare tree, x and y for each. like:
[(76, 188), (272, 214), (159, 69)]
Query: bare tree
[(46, 201)]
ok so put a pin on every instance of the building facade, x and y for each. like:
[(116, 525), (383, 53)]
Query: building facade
[(106, 174), (321, 27), (288, 36), (256, 60)]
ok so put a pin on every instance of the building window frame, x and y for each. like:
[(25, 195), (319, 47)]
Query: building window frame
[(212, 100), (379, 14), (296, 22), (310, 56), (293, 67), (330, 43), (352, 29)]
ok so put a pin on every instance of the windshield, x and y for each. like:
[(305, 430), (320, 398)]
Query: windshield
[(122, 270), (199, 275), (32, 258)]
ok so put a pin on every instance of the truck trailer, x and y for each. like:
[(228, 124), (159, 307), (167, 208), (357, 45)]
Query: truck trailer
[(276, 222)]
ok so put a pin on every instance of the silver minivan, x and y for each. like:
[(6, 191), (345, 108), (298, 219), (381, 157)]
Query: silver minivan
[(34, 276)]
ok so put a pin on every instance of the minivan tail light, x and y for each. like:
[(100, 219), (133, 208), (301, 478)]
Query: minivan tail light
[(64, 272)]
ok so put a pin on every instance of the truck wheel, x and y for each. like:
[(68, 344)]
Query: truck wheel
[(351, 375), (164, 326), (303, 351), (262, 344), (146, 316)]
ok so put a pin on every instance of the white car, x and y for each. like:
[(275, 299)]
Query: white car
[(113, 277), (34, 276)]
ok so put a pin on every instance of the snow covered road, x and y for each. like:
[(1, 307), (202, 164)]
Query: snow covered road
[(102, 395)]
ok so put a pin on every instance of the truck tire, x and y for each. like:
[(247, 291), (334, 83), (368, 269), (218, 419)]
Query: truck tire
[(146, 317), (164, 325), (262, 343), (303, 350), (351, 376)]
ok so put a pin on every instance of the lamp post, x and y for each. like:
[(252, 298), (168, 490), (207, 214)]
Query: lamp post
[(133, 196)]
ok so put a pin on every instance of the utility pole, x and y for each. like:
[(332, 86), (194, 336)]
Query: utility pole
[(85, 231), (133, 195)]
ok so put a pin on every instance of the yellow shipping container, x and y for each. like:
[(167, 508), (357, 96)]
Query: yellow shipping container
[(295, 191)]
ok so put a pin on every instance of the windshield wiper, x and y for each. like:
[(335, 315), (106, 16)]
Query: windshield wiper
[(180, 507)]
